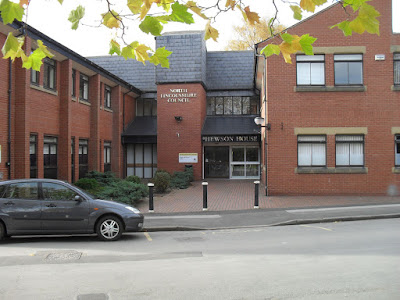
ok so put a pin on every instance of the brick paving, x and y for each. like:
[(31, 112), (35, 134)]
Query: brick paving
[(239, 195)]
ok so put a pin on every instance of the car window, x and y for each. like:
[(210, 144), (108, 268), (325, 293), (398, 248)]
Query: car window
[(23, 190), (2, 189), (57, 192)]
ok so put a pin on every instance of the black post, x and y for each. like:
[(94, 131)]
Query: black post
[(205, 184), (151, 203), (256, 185)]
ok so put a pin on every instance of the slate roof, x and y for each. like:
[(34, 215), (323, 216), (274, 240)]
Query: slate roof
[(230, 70), (232, 125), (141, 130), (141, 76)]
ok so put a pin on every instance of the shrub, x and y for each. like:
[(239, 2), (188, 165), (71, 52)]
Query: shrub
[(161, 181), (189, 171), (180, 180), (90, 185), (124, 191), (133, 178), (102, 178)]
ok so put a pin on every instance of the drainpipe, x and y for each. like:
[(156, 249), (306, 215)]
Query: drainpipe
[(8, 163), (123, 129)]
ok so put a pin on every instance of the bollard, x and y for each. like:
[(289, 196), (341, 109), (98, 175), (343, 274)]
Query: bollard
[(205, 184), (256, 184), (151, 203)]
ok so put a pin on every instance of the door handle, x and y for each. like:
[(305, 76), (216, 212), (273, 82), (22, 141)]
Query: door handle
[(51, 205), (9, 203)]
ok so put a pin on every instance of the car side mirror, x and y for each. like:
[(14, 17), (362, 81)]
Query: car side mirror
[(78, 198)]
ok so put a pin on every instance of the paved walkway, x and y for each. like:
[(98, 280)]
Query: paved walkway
[(239, 195)]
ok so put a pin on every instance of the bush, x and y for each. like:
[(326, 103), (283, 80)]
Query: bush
[(90, 185), (161, 181), (133, 178), (189, 172), (180, 180), (124, 191), (102, 178)]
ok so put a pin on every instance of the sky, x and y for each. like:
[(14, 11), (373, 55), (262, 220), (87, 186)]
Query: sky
[(51, 18)]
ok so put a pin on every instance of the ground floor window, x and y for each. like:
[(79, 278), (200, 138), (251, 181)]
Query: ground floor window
[(397, 150), (83, 158), (141, 160), (311, 150), (350, 150), (72, 159), (50, 157), (33, 155), (107, 156)]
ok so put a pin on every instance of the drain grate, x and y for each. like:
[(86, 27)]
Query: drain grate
[(63, 255)]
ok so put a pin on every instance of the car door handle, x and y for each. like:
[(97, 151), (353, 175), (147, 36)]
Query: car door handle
[(51, 205), (9, 203)]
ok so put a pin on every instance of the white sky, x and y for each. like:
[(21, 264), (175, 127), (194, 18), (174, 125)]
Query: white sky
[(51, 18)]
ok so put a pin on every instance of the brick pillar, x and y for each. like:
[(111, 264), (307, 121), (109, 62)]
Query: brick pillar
[(116, 147), (64, 141), (94, 141), (20, 163), (101, 150), (76, 158)]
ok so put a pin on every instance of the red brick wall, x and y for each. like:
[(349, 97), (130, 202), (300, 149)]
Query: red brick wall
[(377, 109), (4, 79), (169, 144)]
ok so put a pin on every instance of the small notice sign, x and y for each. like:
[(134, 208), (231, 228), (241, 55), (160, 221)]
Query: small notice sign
[(188, 158)]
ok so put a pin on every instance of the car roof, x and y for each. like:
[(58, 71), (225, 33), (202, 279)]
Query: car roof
[(31, 180)]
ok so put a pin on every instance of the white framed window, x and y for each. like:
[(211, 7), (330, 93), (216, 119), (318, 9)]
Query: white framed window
[(397, 150), (349, 150), (49, 74), (348, 69), (311, 150), (396, 68), (107, 96), (310, 69), (84, 87)]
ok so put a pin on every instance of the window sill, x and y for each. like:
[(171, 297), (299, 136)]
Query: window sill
[(42, 89), (322, 170), (108, 109), (73, 98), (396, 170), (330, 88), (85, 102), (395, 87)]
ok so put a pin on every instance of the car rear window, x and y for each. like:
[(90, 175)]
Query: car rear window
[(2, 189)]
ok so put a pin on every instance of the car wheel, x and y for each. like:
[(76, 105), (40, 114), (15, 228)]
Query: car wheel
[(2, 231), (109, 228)]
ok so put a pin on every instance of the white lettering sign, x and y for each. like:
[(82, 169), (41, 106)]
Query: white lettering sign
[(178, 96)]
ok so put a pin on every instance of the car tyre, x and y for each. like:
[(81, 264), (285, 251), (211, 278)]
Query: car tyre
[(109, 228)]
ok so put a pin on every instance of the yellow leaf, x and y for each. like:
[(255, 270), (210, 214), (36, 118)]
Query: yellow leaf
[(193, 7), (211, 32), (307, 5), (135, 6), (231, 4), (146, 7), (141, 53), (252, 17), (111, 19), (44, 49), (289, 48)]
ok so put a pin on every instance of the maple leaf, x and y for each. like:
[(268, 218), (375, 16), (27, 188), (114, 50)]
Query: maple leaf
[(135, 6), (114, 48), (211, 32), (43, 49), (151, 25), (197, 10), (141, 53), (230, 3), (166, 4), (307, 5), (75, 16), (296, 12), (12, 47), (306, 42), (270, 49), (128, 51), (111, 19), (10, 11), (180, 14), (160, 57), (288, 48), (251, 17), (145, 8), (23, 2)]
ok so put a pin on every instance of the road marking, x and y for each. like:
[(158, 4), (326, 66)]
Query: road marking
[(184, 217), (323, 228), (147, 236), (340, 208)]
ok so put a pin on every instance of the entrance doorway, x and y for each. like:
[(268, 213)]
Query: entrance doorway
[(216, 162)]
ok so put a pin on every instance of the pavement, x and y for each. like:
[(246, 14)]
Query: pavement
[(230, 205)]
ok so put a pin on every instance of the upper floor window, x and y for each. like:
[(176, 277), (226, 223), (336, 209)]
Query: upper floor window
[(349, 150), (310, 69), (232, 106), (396, 68), (73, 80), (49, 74), (146, 107), (311, 150), (348, 69), (84, 88), (107, 97), (34, 77)]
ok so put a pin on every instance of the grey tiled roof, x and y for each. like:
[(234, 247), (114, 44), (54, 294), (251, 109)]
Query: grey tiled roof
[(232, 125), (230, 70), (141, 76), (144, 126)]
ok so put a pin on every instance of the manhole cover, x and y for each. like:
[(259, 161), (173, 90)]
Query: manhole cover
[(64, 255)]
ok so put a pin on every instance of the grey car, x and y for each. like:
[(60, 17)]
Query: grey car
[(46, 206)]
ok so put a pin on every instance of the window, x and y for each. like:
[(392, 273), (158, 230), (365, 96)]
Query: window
[(349, 150), (84, 88), (245, 162), (397, 150), (107, 97), (50, 157), (33, 155), (146, 107), (141, 160), (311, 151), (72, 159), (107, 156), (348, 69), (73, 80), (83, 158), (396, 68), (310, 69), (34, 77), (235, 105), (57, 192), (23, 190), (49, 74)]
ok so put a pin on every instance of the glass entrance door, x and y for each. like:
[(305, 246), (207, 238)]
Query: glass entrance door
[(216, 162), (245, 162)]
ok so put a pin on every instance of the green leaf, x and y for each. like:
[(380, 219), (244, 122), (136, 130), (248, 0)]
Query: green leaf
[(306, 42), (296, 12), (355, 4), (166, 4), (43, 49), (270, 49), (151, 25), (111, 19), (288, 38), (114, 48), (180, 14), (12, 47), (367, 15), (61, 1), (160, 57), (35, 60), (75, 16), (128, 51), (10, 11), (344, 26)]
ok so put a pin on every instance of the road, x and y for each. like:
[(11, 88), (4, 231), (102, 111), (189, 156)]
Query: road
[(349, 260)]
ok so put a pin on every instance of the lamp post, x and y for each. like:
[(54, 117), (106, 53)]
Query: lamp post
[(259, 121)]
